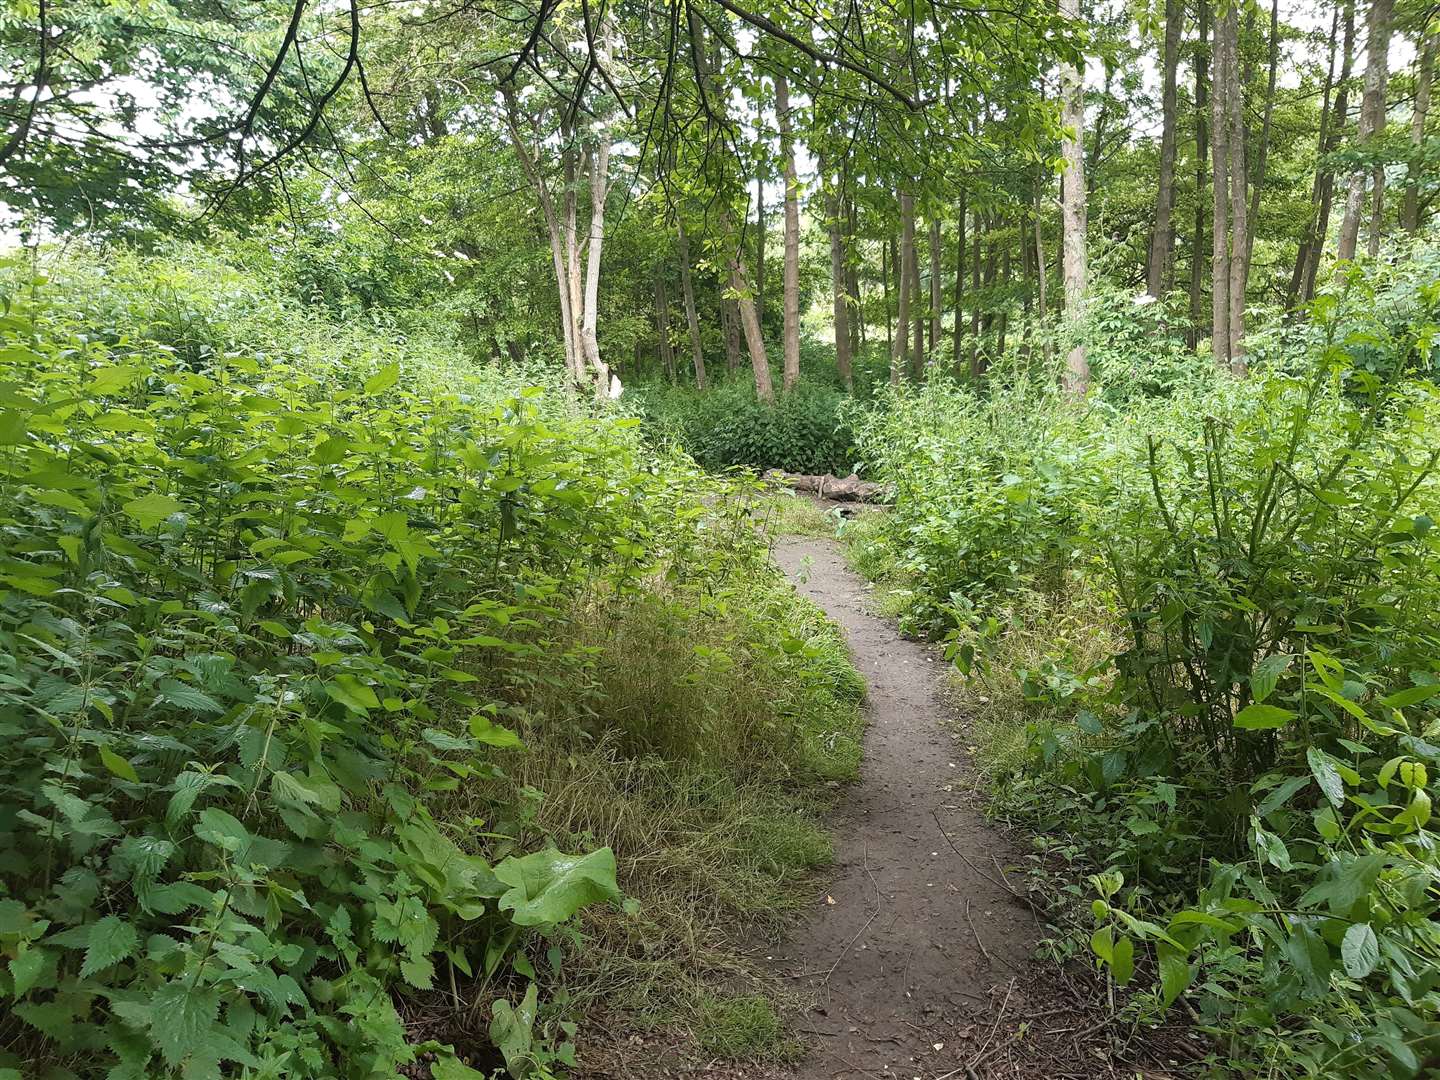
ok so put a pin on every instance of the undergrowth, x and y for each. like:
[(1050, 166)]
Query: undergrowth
[(1193, 626)]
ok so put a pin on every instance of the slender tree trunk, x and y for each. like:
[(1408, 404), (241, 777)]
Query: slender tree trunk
[(599, 162), (730, 320), (975, 244), (1202, 150), (899, 362), (1220, 84), (692, 319), (1262, 152), (1077, 367), (1337, 130), (1424, 76), (1372, 119), (1162, 239), (750, 324), (959, 281), (760, 249), (790, 290), (1308, 237), (937, 284), (887, 260), (852, 281), (840, 303), (1042, 303), (662, 325), (1239, 207), (917, 308)]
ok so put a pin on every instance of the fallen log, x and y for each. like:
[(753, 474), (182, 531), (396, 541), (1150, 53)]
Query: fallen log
[(829, 486)]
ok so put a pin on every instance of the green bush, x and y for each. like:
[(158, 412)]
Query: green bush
[(1249, 774), (805, 431)]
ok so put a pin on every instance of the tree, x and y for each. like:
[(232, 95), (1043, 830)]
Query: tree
[(839, 289), (692, 318), (1072, 196), (1425, 73), (790, 288), (1372, 125), (1162, 238)]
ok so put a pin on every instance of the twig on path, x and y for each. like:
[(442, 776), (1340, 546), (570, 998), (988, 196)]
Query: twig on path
[(970, 863), (984, 951), (865, 856)]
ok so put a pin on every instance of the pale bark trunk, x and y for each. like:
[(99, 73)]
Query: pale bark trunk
[(750, 324), (1077, 367), (791, 287), (1157, 277), (917, 311), (1372, 119), (1410, 207), (959, 282), (662, 326), (852, 283), (1041, 271), (1220, 89), (887, 260), (1202, 150), (1239, 208), (937, 285), (975, 298), (692, 318), (840, 308), (730, 320), (599, 161), (760, 249), (899, 361)]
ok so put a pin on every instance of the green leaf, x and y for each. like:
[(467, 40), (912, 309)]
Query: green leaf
[(1359, 950), (1410, 696), (1266, 675), (352, 693), (118, 765), (1326, 775), (485, 730), (1175, 973), (26, 969), (222, 830), (184, 696), (181, 1017), (111, 940), (1122, 963), (332, 451), (547, 887), (1259, 717), (452, 1068), (383, 379), (150, 510)]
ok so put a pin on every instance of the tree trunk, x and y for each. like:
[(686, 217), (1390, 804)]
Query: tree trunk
[(1263, 150), (1162, 238), (1220, 87), (750, 323), (887, 260), (599, 162), (917, 308), (1239, 207), (1372, 119), (1072, 116), (1308, 237), (899, 361), (975, 299), (959, 280), (937, 284), (730, 321), (1410, 207), (852, 283), (1337, 129), (662, 326), (1041, 270), (840, 303), (1202, 149), (760, 249), (692, 319), (790, 289)]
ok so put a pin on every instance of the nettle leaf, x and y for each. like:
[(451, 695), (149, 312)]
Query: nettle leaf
[(26, 969), (352, 693), (548, 887), (1266, 675), (184, 696), (150, 510), (181, 1018), (1327, 775), (111, 940), (382, 380), (222, 830), (1359, 951)]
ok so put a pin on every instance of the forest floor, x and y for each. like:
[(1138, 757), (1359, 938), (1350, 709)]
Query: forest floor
[(919, 957)]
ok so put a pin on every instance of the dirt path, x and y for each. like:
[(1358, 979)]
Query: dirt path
[(914, 943)]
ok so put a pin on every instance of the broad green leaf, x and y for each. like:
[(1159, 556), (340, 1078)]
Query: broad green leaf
[(181, 1017), (1322, 767), (118, 765), (1359, 950), (547, 887), (1259, 717), (1266, 675), (1175, 973), (1410, 696), (111, 940), (222, 829), (150, 510), (26, 969), (352, 693), (383, 379)]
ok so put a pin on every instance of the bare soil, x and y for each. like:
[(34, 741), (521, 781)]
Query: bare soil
[(918, 958)]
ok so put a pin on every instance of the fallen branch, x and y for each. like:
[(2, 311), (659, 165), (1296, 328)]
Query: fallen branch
[(829, 486)]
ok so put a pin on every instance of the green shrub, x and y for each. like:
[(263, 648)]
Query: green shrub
[(805, 431)]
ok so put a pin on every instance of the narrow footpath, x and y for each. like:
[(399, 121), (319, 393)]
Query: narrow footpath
[(916, 943)]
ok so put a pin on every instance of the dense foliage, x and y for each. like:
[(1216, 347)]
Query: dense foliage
[(1231, 720), (268, 613)]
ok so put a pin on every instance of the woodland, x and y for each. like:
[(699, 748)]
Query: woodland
[(395, 677)]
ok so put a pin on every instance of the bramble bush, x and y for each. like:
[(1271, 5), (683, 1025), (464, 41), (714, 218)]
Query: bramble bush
[(1248, 773)]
